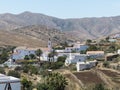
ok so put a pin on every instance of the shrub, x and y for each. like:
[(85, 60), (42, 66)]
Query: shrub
[(27, 85), (14, 74), (2, 71), (18, 68), (26, 57), (99, 87), (106, 64), (32, 56)]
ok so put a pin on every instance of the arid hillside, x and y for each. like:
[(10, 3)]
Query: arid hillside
[(9, 38), (87, 79), (82, 28)]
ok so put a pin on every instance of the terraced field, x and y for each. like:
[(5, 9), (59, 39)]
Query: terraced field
[(88, 77), (115, 76)]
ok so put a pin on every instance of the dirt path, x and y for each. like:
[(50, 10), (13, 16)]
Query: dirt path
[(108, 82)]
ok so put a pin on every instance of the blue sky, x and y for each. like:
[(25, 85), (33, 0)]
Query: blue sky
[(63, 8)]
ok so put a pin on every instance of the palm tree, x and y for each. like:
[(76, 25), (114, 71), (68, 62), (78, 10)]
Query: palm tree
[(56, 81), (39, 53)]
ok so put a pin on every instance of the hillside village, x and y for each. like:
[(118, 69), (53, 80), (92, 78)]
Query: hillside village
[(83, 64)]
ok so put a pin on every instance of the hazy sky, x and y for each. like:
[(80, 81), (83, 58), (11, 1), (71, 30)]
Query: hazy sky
[(63, 8)]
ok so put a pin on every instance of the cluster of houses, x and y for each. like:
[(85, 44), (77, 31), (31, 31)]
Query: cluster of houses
[(72, 57), (82, 60)]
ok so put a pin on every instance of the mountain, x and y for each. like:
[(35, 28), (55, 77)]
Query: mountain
[(78, 28)]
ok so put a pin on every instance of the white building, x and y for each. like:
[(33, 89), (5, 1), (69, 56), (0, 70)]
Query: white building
[(85, 65), (60, 51), (80, 47), (82, 66), (9, 83), (77, 47), (73, 58), (96, 54), (21, 52), (118, 51)]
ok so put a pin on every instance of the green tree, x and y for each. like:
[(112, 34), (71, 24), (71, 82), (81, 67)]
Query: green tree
[(107, 39), (39, 53), (88, 41), (4, 57), (55, 65), (83, 52), (32, 56), (26, 57), (42, 86), (61, 59), (99, 87), (64, 44), (27, 85), (106, 64), (92, 48), (33, 70), (111, 48), (56, 81)]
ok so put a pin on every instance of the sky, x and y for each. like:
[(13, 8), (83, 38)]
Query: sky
[(63, 8)]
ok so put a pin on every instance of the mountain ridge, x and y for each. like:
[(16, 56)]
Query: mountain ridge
[(78, 28)]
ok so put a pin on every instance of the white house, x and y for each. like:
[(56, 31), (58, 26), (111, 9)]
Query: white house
[(21, 52), (9, 83), (85, 65), (82, 66), (80, 47), (60, 51), (92, 63), (96, 54), (77, 47), (73, 58), (118, 51)]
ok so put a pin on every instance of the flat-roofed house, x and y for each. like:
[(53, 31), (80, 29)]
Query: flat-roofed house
[(9, 83), (21, 52), (82, 66), (73, 58), (80, 47), (85, 65), (77, 47), (95, 54)]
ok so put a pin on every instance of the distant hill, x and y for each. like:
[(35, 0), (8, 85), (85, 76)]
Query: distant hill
[(78, 29), (43, 33)]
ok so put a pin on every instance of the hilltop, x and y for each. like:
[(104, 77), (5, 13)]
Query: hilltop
[(27, 23)]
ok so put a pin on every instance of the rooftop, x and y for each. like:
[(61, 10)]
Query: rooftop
[(95, 51), (25, 48), (6, 79)]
